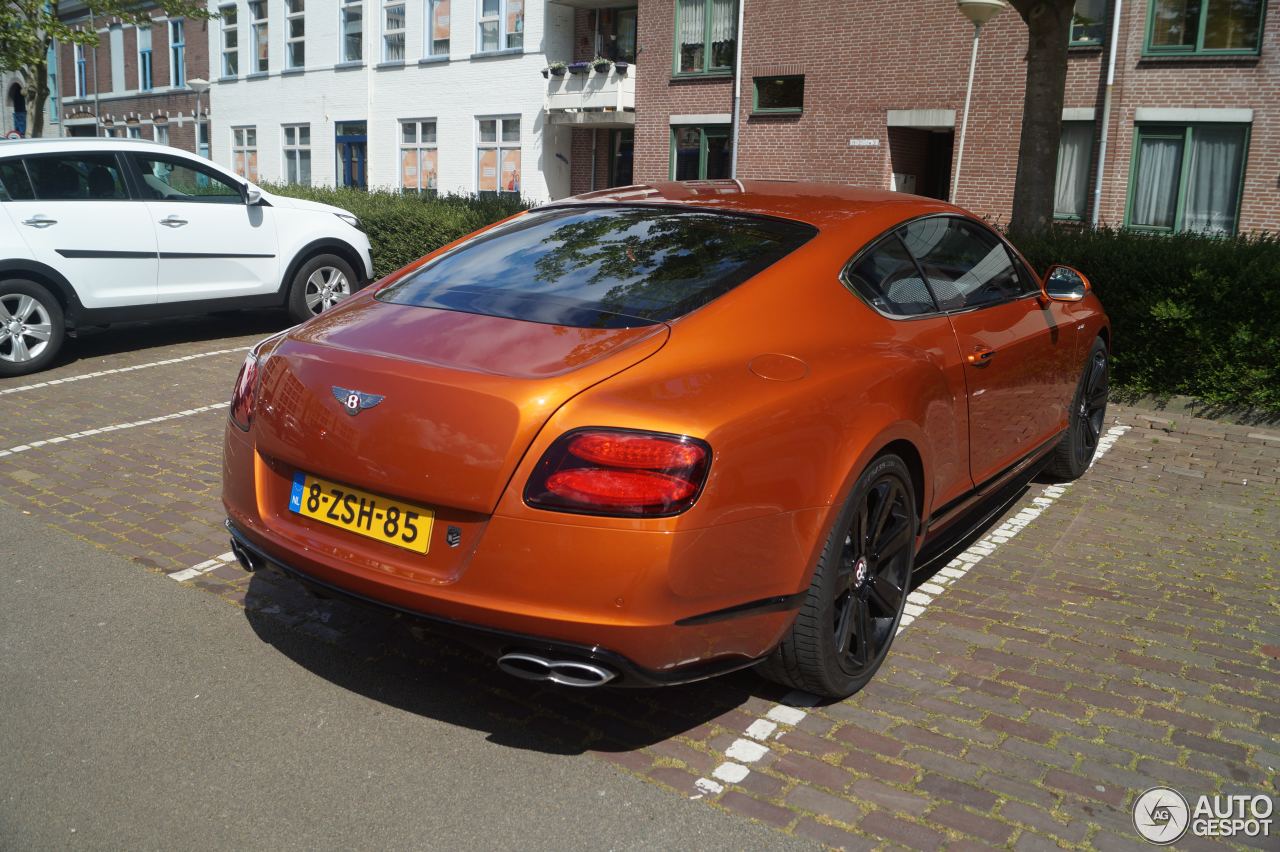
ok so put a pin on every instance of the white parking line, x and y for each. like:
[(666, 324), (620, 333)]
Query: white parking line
[(116, 427), (100, 373), (203, 568), (747, 751)]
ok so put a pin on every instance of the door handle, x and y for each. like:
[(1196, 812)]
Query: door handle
[(173, 222), (39, 221), (981, 356)]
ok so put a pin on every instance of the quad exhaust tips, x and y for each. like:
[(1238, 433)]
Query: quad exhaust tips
[(563, 672)]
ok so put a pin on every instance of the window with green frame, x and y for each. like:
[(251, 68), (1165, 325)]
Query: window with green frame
[(1205, 26), (706, 36), (1089, 23), (701, 152), (778, 94), (1187, 177), (1075, 155)]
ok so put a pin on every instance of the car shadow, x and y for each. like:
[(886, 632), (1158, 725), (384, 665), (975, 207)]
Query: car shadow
[(99, 341), (396, 661)]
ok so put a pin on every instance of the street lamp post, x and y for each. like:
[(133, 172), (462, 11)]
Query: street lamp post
[(979, 12), (198, 86)]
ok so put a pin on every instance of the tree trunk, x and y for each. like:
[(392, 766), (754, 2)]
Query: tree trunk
[(36, 102), (1049, 29)]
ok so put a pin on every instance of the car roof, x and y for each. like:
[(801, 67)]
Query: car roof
[(826, 206), (56, 144)]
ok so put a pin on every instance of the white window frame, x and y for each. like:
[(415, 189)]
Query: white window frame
[(177, 53), (133, 131), (431, 11), (291, 15), (297, 148), (230, 28), (146, 59), (504, 38), (499, 146), (240, 145), (389, 34), (419, 145), (344, 8), (160, 133), (82, 73), (259, 38)]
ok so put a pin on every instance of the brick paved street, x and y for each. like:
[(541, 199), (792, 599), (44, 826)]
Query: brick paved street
[(1118, 634)]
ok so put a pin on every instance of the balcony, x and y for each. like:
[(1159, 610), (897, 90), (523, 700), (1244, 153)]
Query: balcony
[(593, 98)]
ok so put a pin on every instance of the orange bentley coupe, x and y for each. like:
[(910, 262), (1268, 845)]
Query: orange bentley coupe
[(657, 433)]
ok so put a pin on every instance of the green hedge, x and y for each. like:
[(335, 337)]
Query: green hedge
[(1190, 314), (403, 227)]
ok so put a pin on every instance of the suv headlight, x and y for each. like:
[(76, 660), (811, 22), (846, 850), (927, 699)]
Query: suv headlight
[(350, 220)]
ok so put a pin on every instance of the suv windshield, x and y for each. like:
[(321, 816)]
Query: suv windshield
[(601, 267)]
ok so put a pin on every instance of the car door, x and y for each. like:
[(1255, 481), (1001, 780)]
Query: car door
[(212, 244), (76, 215), (1012, 346)]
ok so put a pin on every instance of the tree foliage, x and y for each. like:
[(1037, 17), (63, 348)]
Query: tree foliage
[(28, 28)]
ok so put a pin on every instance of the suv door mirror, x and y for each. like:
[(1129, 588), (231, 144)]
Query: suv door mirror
[(252, 195), (1064, 284)]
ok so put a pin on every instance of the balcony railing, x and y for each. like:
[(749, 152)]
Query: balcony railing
[(593, 98)]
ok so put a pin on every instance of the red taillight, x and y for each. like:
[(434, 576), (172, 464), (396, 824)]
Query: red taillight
[(242, 398), (620, 472)]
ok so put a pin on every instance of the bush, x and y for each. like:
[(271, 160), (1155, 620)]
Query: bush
[(402, 227), (1190, 314)]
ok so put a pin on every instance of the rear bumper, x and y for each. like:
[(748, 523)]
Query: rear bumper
[(496, 642)]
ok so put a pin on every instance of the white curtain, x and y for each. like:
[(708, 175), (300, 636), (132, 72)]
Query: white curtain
[(1071, 192), (1155, 197), (693, 18), (1213, 183), (724, 20)]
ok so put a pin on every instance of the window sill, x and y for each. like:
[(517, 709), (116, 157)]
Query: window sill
[(496, 54), (391, 63), (777, 113), (258, 75), (1241, 60), (348, 66), (291, 72), (229, 79), (691, 76), (433, 60), (1085, 47)]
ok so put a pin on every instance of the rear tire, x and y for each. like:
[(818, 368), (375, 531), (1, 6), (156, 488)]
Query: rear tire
[(320, 283), (850, 614), (32, 327), (1074, 453)]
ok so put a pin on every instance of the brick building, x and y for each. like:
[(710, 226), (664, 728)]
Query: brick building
[(135, 83), (873, 93)]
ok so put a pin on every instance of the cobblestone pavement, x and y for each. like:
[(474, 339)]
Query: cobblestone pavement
[(1101, 639)]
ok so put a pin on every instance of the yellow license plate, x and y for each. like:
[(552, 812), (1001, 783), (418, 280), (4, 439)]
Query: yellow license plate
[(370, 515)]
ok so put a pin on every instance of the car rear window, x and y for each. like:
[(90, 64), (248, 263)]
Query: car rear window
[(601, 267)]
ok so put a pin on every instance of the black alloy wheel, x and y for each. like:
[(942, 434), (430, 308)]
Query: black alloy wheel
[(1074, 453), (851, 612)]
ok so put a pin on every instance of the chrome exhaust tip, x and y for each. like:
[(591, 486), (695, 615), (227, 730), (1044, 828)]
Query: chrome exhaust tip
[(563, 672), (248, 561)]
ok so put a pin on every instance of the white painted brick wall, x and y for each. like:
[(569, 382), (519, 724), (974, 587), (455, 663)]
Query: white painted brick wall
[(454, 93)]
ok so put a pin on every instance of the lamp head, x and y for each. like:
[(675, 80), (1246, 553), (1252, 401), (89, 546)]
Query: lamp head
[(980, 11)]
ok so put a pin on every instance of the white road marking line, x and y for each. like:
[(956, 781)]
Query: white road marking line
[(788, 712), (22, 448), (113, 372), (203, 568)]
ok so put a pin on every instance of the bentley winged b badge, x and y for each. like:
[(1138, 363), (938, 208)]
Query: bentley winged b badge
[(355, 401)]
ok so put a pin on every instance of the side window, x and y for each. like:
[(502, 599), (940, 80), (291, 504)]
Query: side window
[(77, 177), (174, 179), (967, 266), (14, 184), (889, 279)]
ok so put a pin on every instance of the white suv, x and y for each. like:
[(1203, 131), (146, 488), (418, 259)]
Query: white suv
[(94, 231)]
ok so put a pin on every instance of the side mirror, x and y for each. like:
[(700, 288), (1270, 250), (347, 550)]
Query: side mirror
[(252, 195), (1064, 284)]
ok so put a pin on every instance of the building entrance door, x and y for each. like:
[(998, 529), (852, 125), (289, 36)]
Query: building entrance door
[(353, 153)]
